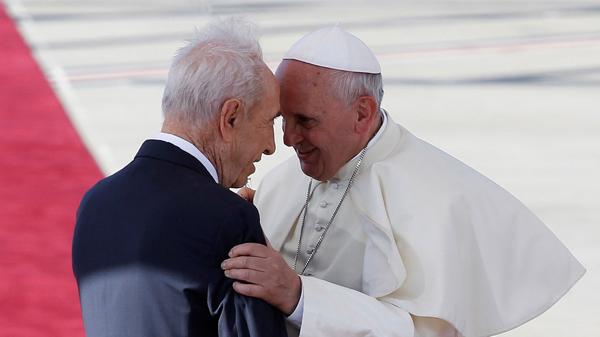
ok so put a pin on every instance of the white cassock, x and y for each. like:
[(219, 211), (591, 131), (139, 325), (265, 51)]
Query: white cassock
[(421, 242)]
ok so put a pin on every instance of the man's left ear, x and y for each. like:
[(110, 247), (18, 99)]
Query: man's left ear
[(366, 112), (229, 117)]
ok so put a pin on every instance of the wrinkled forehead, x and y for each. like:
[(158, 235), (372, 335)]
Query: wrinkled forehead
[(307, 89), (302, 79), (294, 69)]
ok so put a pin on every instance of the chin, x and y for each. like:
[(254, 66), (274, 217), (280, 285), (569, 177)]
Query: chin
[(240, 182), (310, 171)]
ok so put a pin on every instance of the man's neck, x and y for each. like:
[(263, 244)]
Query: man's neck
[(200, 142), (376, 126), (377, 123)]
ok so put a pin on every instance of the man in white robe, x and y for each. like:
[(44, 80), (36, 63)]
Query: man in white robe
[(389, 235)]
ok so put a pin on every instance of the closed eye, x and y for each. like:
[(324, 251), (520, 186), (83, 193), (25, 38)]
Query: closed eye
[(305, 121)]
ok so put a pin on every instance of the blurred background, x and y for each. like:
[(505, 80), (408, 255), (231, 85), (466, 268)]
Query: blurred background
[(512, 88)]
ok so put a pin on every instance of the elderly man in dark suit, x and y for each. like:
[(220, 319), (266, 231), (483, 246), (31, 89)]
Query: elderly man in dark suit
[(149, 239)]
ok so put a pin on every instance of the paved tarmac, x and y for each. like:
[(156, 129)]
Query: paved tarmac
[(512, 88)]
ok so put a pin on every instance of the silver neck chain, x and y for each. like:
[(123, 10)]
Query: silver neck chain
[(309, 194)]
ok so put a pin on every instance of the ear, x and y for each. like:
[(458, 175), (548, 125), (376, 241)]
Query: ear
[(366, 111), (229, 117)]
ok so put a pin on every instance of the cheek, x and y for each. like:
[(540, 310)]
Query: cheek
[(261, 134), (336, 148), (327, 155), (327, 142), (269, 136), (314, 138)]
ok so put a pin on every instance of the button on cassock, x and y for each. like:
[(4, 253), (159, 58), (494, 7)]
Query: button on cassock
[(323, 204), (319, 227)]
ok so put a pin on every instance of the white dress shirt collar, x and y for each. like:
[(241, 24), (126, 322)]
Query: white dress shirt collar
[(189, 148)]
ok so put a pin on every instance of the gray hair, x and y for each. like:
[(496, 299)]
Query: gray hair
[(223, 61), (348, 86)]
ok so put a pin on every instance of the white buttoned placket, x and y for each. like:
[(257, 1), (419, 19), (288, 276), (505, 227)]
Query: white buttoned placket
[(319, 213), (344, 241)]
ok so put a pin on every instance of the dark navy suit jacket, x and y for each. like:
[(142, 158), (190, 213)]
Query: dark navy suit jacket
[(147, 249)]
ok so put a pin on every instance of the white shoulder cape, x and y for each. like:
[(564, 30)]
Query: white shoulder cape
[(444, 241)]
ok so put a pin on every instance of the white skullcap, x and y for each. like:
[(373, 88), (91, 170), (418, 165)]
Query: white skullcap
[(334, 48)]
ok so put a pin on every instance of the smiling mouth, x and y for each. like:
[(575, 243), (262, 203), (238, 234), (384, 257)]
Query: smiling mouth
[(303, 154)]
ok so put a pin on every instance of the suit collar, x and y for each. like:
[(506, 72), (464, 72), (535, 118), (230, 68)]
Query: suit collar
[(190, 148), (166, 151)]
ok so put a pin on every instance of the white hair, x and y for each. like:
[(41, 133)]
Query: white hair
[(348, 86), (223, 61)]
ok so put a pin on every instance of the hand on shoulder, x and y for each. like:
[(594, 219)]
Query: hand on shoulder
[(266, 274)]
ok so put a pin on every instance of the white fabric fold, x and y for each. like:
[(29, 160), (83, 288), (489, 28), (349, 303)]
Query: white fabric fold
[(441, 241), (331, 310)]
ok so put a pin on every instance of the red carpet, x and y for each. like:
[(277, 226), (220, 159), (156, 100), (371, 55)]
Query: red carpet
[(44, 170)]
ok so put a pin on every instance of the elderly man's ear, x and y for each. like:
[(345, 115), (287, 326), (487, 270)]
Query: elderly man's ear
[(231, 112), (366, 112)]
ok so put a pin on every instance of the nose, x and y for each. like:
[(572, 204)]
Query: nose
[(291, 136), (270, 149)]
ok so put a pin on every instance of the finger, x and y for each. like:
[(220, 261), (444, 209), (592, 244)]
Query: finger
[(245, 262), (246, 275), (251, 249), (251, 290), (246, 193)]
